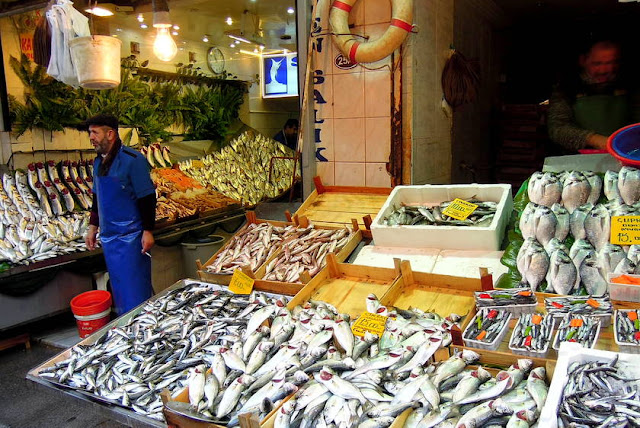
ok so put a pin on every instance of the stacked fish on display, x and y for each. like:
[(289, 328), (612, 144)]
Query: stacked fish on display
[(532, 333), (250, 169), (487, 326), (505, 297), (598, 394), (334, 376), (627, 327), (51, 223), (412, 215), (306, 251), (461, 398), (131, 364), (251, 247), (566, 205), (580, 329), (584, 305), (157, 155)]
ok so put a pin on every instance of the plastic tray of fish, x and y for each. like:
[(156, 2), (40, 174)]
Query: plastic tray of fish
[(487, 329), (582, 329), (627, 330), (538, 329), (629, 292), (599, 307), (517, 301)]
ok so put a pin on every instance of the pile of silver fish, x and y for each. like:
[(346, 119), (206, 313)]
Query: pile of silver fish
[(251, 247), (312, 353), (505, 297), (250, 169), (306, 251), (487, 326), (582, 329), (598, 394), (532, 333), (42, 216), (412, 215), (627, 326), (556, 212), (455, 397), (186, 328), (584, 305)]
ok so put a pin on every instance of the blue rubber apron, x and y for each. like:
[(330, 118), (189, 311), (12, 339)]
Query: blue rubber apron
[(121, 236)]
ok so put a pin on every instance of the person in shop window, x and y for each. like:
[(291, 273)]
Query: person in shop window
[(585, 109), (288, 135), (124, 203)]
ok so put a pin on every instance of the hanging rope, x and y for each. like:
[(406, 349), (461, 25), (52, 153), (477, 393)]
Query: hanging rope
[(460, 79)]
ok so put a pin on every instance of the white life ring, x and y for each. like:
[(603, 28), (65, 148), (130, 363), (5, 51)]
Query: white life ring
[(399, 27)]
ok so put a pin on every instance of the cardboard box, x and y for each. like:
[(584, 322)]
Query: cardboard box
[(444, 237)]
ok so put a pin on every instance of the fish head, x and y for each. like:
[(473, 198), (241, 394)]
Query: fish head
[(505, 377), (482, 374), (470, 356), (500, 407), (559, 210), (526, 415), (523, 364), (326, 374), (539, 373), (246, 379)]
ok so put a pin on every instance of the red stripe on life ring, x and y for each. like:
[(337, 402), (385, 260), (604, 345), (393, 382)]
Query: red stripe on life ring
[(352, 53), (401, 24), (340, 5)]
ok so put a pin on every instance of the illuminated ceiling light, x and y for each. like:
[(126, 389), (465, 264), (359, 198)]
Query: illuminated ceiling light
[(238, 38), (164, 47), (291, 11), (232, 45), (205, 38), (261, 47), (175, 33), (99, 11), (255, 50), (229, 21), (118, 29), (144, 26), (140, 18), (176, 27)]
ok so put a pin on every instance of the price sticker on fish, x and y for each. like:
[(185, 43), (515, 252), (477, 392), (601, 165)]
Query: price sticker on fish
[(459, 209), (373, 323), (241, 283), (625, 230)]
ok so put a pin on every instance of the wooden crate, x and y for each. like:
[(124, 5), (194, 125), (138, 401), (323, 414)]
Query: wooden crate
[(346, 286), (442, 294), (224, 279), (337, 205)]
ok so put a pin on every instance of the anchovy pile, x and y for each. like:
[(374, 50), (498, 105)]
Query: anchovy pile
[(487, 325), (505, 297), (51, 223), (578, 328), (250, 169), (586, 305), (599, 394), (532, 333), (307, 251), (311, 351), (566, 204), (627, 326), (472, 398), (411, 215), (251, 247), (131, 364)]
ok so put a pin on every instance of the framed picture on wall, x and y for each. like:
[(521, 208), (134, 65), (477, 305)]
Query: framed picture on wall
[(279, 75)]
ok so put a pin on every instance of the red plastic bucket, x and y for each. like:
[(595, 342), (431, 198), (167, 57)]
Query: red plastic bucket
[(92, 311)]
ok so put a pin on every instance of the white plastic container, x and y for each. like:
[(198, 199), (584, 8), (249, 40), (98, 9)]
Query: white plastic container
[(490, 346), (530, 353), (556, 341), (97, 61), (629, 348), (444, 237), (626, 292)]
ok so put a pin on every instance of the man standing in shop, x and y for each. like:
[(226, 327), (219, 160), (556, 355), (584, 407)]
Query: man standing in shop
[(124, 203), (586, 109), (288, 135)]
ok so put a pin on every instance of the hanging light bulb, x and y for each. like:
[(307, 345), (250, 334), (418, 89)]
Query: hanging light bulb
[(164, 47)]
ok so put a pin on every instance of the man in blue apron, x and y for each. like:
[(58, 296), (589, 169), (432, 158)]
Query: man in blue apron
[(124, 202), (583, 112)]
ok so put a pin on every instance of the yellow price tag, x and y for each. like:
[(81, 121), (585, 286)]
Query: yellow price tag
[(459, 209), (373, 323), (625, 230), (241, 283)]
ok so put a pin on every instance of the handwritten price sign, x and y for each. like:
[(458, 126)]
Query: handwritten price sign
[(459, 209), (241, 283), (373, 323), (625, 230)]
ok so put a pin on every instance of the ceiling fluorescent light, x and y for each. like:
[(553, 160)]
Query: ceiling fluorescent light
[(99, 11), (238, 38)]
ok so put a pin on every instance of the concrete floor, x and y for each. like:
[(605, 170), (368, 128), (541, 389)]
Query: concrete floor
[(24, 404)]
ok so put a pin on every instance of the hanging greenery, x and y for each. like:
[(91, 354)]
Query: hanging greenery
[(150, 101)]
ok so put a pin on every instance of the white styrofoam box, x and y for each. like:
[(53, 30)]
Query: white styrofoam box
[(490, 346), (421, 259), (626, 292), (573, 353), (467, 263), (628, 347), (444, 237)]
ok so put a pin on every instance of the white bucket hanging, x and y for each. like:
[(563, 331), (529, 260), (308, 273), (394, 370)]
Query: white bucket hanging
[(97, 61)]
